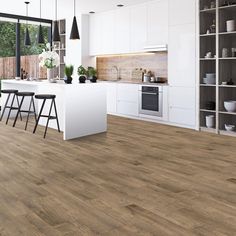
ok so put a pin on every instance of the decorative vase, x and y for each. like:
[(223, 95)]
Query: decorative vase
[(50, 74), (68, 80), (82, 79)]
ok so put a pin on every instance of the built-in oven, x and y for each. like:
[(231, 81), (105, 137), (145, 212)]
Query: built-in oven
[(151, 100)]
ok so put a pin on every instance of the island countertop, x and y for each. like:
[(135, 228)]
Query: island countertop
[(81, 107)]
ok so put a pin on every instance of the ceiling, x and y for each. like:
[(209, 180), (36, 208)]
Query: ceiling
[(82, 6)]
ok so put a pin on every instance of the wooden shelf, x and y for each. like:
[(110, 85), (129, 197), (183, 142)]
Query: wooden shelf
[(207, 85), (227, 7), (227, 58), (205, 110), (207, 59), (229, 133), (210, 130), (207, 35), (210, 10), (227, 86), (227, 33), (228, 113)]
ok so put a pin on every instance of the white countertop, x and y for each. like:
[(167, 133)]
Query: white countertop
[(131, 82)]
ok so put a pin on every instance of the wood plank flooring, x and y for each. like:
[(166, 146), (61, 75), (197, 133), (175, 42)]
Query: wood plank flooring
[(139, 178)]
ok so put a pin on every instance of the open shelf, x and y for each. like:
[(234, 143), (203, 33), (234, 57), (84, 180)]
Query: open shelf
[(208, 35), (210, 130), (207, 85)]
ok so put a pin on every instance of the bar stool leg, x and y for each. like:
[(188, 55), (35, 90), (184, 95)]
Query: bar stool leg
[(18, 111), (40, 113), (18, 103), (45, 132), (12, 102), (58, 127), (4, 109), (28, 113), (35, 117)]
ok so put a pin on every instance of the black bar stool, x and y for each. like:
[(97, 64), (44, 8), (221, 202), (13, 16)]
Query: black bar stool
[(11, 105), (45, 97), (23, 95)]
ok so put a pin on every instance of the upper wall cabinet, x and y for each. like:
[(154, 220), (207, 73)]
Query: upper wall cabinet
[(95, 40), (122, 30), (138, 27), (157, 22), (182, 12), (108, 32)]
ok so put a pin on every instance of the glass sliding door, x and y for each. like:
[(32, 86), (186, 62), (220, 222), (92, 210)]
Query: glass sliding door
[(29, 54)]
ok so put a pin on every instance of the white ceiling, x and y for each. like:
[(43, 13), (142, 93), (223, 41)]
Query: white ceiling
[(83, 6)]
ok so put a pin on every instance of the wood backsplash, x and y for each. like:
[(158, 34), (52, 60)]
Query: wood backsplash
[(156, 62)]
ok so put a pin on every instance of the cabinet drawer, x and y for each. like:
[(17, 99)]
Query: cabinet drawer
[(127, 92), (127, 108)]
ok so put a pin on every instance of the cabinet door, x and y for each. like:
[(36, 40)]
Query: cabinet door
[(157, 22), (122, 30), (95, 35), (182, 55), (108, 32), (182, 104), (182, 12), (111, 98), (127, 99), (138, 27)]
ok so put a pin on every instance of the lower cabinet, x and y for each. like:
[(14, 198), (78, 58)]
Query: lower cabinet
[(182, 104), (111, 98), (127, 99)]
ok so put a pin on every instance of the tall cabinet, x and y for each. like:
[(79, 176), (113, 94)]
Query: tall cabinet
[(217, 55)]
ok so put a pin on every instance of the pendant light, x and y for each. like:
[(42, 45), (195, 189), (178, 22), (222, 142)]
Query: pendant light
[(56, 35), (40, 31), (74, 30), (27, 37)]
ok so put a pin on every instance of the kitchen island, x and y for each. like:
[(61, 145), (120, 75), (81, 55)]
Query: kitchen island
[(81, 107)]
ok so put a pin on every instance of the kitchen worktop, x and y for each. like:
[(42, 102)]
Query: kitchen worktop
[(132, 82)]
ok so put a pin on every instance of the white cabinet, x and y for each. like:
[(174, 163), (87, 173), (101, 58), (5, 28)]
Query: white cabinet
[(111, 98), (182, 12), (127, 99), (122, 30), (182, 55), (95, 34), (108, 30), (157, 22), (138, 27)]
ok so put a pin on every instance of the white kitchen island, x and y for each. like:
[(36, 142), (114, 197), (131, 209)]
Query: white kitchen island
[(81, 107)]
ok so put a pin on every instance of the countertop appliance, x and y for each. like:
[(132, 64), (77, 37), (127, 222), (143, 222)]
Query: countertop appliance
[(151, 100)]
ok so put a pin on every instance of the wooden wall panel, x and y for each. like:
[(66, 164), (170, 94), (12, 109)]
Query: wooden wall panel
[(156, 62)]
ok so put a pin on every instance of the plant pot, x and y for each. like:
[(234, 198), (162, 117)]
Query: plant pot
[(82, 79), (50, 74), (68, 80), (93, 79)]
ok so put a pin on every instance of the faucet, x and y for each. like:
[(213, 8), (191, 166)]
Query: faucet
[(118, 70)]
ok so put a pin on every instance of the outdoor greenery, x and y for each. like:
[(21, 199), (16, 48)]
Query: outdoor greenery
[(8, 39)]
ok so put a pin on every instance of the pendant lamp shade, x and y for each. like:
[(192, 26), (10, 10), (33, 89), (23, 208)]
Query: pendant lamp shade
[(27, 37), (40, 35), (40, 31), (74, 30), (56, 35)]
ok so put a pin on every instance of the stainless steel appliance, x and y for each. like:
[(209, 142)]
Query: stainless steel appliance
[(151, 100)]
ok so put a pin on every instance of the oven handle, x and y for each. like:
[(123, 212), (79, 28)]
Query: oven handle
[(149, 93)]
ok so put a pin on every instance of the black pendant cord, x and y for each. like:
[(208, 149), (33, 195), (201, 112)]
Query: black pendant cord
[(56, 10), (27, 37), (74, 7)]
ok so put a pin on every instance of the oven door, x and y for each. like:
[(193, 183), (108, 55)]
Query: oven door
[(150, 101)]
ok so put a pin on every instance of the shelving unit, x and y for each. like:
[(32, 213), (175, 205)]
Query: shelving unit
[(223, 67), (61, 49)]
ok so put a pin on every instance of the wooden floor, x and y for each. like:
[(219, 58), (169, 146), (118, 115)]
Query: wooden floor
[(137, 179)]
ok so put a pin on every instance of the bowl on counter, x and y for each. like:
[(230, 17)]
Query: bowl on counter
[(230, 106), (229, 127)]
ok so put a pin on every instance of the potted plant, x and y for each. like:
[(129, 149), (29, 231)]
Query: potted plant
[(68, 74), (50, 60), (82, 72), (92, 74)]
